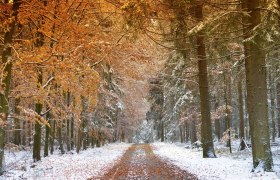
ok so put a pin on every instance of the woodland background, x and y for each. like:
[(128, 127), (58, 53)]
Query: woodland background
[(79, 73)]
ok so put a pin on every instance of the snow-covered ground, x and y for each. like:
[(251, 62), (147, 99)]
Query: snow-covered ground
[(237, 165), (86, 164)]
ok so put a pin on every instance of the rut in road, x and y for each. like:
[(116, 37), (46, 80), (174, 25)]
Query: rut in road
[(139, 162)]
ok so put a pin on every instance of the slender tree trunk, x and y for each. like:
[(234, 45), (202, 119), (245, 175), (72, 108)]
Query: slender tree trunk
[(193, 132), (227, 116), (257, 91), (278, 106), (241, 115), (37, 138), (85, 135), (38, 106), (47, 137), (162, 132), (181, 134), (278, 98), (29, 129), (79, 139), (23, 133), (72, 133), (247, 126), (68, 138), (98, 144), (68, 141), (272, 106), (59, 133), (217, 122), (37, 135), (17, 137), (52, 136), (186, 132), (206, 127)]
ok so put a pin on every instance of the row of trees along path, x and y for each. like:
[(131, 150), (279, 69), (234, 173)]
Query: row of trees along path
[(57, 61)]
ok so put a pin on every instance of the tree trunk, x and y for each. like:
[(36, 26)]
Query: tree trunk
[(181, 134), (241, 115), (272, 107), (38, 106), (52, 136), (60, 142), (37, 138), (37, 135), (217, 122), (278, 106), (206, 127), (17, 137), (68, 138), (72, 133), (186, 132), (162, 132), (5, 87), (247, 126), (257, 91), (47, 139), (227, 116), (79, 139), (193, 132), (68, 141), (85, 135), (23, 133)]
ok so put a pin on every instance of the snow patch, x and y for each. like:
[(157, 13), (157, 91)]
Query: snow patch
[(233, 166), (86, 164)]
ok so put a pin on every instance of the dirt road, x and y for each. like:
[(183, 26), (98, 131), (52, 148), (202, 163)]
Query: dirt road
[(139, 162)]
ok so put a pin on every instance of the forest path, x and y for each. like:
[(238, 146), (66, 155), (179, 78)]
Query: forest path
[(139, 162)]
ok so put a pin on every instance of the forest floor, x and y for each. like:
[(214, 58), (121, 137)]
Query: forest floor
[(235, 165), (139, 162), (88, 163), (122, 161)]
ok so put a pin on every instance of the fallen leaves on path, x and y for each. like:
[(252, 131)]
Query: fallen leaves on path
[(139, 162)]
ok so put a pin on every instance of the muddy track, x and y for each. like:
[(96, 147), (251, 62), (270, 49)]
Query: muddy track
[(139, 162)]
